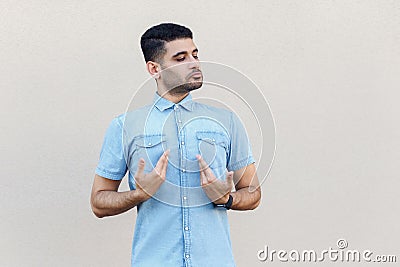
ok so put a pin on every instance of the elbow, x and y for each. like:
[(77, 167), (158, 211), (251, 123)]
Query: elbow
[(257, 200), (96, 211), (255, 205)]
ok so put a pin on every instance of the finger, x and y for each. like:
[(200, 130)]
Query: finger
[(202, 163), (203, 178), (140, 168), (206, 169), (160, 163), (165, 164), (202, 166), (210, 176)]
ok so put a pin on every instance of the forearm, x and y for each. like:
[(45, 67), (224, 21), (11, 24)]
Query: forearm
[(246, 199), (109, 203)]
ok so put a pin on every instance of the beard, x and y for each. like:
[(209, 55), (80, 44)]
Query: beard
[(186, 87)]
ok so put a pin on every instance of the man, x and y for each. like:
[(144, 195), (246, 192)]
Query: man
[(177, 152)]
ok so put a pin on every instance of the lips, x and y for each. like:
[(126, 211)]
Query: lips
[(196, 74)]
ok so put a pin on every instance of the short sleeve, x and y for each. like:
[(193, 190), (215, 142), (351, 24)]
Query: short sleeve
[(240, 154), (112, 164)]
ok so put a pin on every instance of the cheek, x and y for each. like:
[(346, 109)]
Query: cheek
[(173, 78), (167, 77)]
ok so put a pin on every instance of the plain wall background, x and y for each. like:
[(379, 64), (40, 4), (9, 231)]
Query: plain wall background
[(329, 69)]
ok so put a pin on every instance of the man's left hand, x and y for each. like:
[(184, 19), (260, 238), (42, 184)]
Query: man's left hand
[(216, 189)]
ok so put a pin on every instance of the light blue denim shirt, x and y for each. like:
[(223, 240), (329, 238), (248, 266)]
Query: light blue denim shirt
[(179, 225)]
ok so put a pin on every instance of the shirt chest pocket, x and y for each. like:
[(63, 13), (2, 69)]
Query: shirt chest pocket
[(214, 148), (150, 148)]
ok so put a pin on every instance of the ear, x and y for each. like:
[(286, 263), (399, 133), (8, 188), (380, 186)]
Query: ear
[(153, 68)]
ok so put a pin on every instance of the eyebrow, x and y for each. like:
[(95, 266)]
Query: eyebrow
[(185, 52)]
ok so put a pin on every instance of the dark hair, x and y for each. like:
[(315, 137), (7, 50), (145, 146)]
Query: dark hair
[(154, 39)]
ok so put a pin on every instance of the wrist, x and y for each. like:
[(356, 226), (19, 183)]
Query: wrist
[(140, 195), (222, 200), (225, 202)]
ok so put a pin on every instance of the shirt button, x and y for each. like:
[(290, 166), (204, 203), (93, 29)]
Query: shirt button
[(187, 256), (183, 170), (182, 142), (186, 228), (179, 121), (184, 198), (149, 144)]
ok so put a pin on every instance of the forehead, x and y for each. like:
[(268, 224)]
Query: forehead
[(179, 45)]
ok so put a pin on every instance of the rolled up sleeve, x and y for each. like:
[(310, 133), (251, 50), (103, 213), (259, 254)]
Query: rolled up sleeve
[(240, 154), (112, 163)]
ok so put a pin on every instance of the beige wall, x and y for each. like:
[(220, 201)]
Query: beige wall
[(329, 69)]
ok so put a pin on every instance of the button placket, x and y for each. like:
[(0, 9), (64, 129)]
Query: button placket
[(183, 181)]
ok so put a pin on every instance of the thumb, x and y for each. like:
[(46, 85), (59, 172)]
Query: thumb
[(229, 178), (140, 169)]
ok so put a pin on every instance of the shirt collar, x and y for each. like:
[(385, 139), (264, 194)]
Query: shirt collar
[(162, 104)]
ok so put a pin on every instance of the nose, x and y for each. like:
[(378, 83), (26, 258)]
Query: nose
[(194, 63)]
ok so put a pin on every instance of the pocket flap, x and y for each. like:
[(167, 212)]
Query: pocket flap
[(148, 141), (217, 138)]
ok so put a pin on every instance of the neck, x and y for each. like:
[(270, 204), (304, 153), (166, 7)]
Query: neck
[(175, 98)]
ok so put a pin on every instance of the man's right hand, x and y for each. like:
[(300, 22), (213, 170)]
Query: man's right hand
[(148, 184)]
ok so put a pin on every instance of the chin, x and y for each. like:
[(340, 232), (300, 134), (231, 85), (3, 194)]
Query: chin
[(194, 85), (187, 87)]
